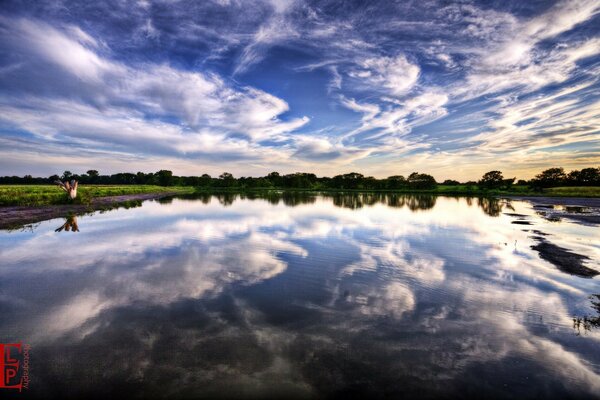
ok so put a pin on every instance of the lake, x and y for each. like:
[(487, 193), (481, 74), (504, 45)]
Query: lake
[(298, 295)]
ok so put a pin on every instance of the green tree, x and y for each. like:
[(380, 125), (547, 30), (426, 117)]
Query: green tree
[(585, 177), (142, 178), (491, 180), (395, 182), (421, 181), (275, 179), (507, 183), (92, 176), (226, 179), (551, 177), (353, 180), (451, 182), (205, 180), (165, 177)]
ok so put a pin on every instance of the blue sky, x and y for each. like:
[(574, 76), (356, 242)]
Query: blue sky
[(382, 88)]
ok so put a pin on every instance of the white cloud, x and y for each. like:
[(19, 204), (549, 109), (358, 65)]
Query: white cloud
[(132, 106), (75, 54), (369, 111), (397, 73), (275, 30), (394, 75), (516, 60), (401, 116), (320, 149), (561, 18)]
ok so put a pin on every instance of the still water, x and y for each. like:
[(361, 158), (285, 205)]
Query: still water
[(305, 296)]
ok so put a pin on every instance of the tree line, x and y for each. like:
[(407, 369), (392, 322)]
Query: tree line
[(551, 177)]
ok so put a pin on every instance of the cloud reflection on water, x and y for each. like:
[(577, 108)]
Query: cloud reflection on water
[(336, 294)]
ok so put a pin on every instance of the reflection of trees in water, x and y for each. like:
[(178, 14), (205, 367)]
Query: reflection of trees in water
[(355, 200), (289, 198), (226, 199), (70, 225), (589, 322), (352, 200), (250, 196), (347, 200), (203, 197), (370, 199), (396, 200), (297, 198), (359, 200), (421, 202), (272, 197), (490, 206)]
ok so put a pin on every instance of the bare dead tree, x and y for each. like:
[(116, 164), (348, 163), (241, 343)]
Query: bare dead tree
[(69, 187)]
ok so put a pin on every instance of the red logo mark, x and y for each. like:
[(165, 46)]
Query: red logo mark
[(14, 366)]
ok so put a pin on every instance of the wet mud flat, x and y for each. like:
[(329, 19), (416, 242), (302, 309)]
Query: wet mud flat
[(565, 260), (18, 216), (585, 210)]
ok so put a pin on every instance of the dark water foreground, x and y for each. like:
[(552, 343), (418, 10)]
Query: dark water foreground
[(302, 296)]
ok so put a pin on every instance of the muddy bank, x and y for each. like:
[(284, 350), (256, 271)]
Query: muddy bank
[(563, 259), (18, 216), (563, 201), (584, 210)]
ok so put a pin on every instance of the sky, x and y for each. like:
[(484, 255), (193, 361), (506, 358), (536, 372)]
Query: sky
[(453, 89)]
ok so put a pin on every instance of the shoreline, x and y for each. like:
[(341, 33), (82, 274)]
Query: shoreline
[(584, 210), (15, 217), (557, 200)]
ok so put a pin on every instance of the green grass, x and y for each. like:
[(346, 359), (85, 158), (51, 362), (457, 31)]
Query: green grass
[(573, 191), (37, 195), (475, 190)]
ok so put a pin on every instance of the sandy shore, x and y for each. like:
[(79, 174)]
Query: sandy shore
[(15, 217)]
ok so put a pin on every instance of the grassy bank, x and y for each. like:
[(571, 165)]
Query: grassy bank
[(583, 191), (38, 195)]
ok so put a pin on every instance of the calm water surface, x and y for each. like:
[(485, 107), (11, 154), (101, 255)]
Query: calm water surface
[(303, 296)]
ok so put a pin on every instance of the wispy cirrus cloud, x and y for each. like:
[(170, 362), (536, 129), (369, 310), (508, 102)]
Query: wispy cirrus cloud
[(289, 85), (395, 76), (93, 100)]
